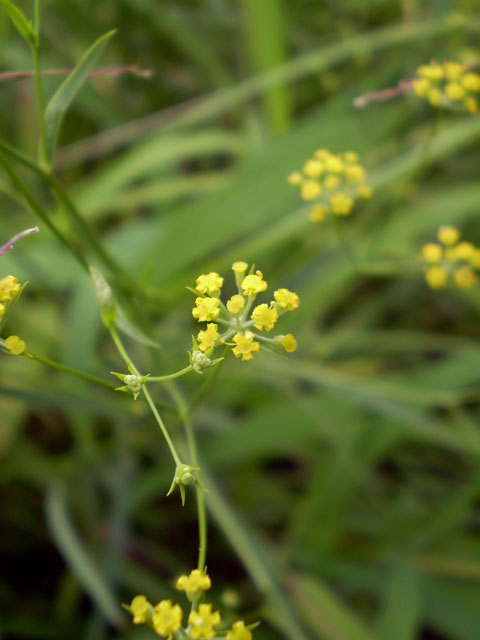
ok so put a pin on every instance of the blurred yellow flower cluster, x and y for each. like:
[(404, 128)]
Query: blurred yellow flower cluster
[(448, 85), (238, 316), (333, 181), (166, 618), (450, 258), (9, 290)]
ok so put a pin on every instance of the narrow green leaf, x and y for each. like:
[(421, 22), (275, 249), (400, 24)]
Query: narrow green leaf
[(23, 26), (62, 98), (106, 301), (77, 556)]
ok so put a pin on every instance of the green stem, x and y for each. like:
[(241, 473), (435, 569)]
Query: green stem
[(21, 157), (44, 161), (171, 376), (69, 370), (211, 378), (122, 351), (195, 460), (38, 210)]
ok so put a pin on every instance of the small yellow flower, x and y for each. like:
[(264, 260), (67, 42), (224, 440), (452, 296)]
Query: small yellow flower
[(265, 317), (236, 304), (475, 259), (253, 284), (313, 168), (448, 235), (432, 252), (471, 82), (246, 346), (453, 70), (286, 299), (464, 251), (471, 104), (331, 182), (239, 267), (239, 631), (334, 164), (455, 91), (139, 607), (351, 156), (206, 309), (355, 173), (167, 618), (194, 583), (9, 288), (364, 191), (434, 97), (465, 278), (436, 277), (289, 343), (421, 86), (341, 204), (431, 71), (15, 345), (210, 283), (310, 190), (2, 310), (317, 213), (295, 178), (208, 339), (203, 621)]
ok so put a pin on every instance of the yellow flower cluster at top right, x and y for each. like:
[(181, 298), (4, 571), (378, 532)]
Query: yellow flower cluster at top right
[(451, 259), (448, 85)]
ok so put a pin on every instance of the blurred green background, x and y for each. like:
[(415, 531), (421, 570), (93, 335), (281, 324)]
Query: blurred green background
[(344, 481)]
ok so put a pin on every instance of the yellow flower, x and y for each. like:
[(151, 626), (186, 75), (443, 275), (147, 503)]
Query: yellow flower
[(475, 259), (465, 278), (453, 70), (448, 235), (15, 345), (286, 299), (364, 191), (2, 309), (202, 622), (464, 251), (245, 345), (341, 204), (208, 339), (9, 288), (167, 618), (436, 277), (432, 252), (289, 343), (471, 82), (295, 178), (206, 309), (139, 608), (431, 71), (239, 267), (471, 105), (421, 86), (351, 156), (265, 317), (210, 283), (236, 304), (331, 182), (311, 189), (253, 284), (195, 582), (322, 154), (317, 213), (334, 164), (355, 173), (313, 168), (455, 91), (239, 631), (434, 97)]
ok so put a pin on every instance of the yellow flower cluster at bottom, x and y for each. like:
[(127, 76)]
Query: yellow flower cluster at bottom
[(450, 259)]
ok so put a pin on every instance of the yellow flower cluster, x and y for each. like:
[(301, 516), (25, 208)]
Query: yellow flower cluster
[(239, 316), (335, 181), (9, 289), (448, 85), (166, 618), (450, 258)]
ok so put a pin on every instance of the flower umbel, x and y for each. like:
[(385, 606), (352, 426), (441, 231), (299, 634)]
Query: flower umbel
[(450, 260), (239, 631), (334, 181), (167, 618), (193, 584), (203, 621), (449, 85)]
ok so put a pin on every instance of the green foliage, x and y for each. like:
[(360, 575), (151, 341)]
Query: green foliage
[(342, 483)]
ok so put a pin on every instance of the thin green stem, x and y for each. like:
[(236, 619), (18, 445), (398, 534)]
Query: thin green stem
[(208, 382), (171, 376), (21, 157), (73, 372), (122, 351), (37, 65), (38, 210)]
